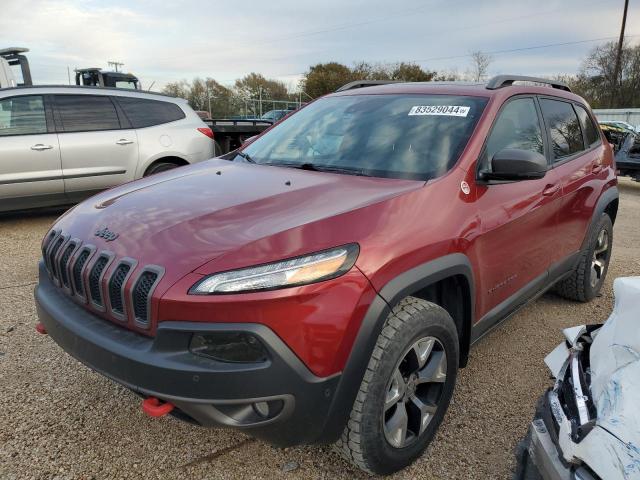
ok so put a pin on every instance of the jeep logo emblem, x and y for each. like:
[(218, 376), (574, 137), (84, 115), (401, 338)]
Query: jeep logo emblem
[(106, 234)]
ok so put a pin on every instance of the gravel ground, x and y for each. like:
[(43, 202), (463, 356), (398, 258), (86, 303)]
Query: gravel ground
[(58, 419)]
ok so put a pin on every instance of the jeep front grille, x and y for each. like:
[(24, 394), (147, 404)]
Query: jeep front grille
[(72, 266)]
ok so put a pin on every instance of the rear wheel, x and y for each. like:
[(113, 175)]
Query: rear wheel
[(160, 167), (586, 281), (405, 391)]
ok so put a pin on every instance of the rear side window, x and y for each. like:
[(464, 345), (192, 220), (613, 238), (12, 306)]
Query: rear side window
[(146, 113), (517, 126), (589, 129), (564, 128), (22, 116), (86, 113)]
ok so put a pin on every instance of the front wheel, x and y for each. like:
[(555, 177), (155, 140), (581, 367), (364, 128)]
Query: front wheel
[(405, 391)]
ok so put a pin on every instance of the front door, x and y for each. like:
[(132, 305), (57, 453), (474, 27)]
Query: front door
[(97, 153), (517, 219), (30, 168)]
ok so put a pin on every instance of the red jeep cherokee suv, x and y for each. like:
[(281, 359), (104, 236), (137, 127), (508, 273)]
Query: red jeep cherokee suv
[(324, 283)]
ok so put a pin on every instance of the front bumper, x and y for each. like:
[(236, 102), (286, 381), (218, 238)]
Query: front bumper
[(206, 391), (542, 458)]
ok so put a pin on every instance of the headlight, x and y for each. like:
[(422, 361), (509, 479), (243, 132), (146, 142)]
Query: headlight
[(288, 273)]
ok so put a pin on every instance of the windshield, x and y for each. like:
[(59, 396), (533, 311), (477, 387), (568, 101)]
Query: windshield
[(397, 136)]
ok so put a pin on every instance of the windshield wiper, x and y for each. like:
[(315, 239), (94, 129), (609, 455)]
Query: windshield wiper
[(319, 168), (246, 156)]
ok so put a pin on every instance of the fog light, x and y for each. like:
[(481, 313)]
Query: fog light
[(237, 347)]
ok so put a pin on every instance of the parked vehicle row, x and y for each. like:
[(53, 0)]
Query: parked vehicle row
[(324, 283), (59, 145)]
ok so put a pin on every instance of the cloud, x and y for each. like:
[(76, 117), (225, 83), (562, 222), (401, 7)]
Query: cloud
[(168, 41)]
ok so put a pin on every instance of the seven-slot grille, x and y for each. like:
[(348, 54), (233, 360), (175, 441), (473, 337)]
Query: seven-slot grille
[(83, 272)]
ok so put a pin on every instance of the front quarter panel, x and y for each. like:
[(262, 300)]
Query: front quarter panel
[(318, 322)]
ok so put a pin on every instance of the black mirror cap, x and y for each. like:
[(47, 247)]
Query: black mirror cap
[(516, 164)]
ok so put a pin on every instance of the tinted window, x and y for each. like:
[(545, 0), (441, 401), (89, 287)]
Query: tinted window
[(400, 136), (145, 113), (588, 127), (564, 128), (22, 116), (517, 126), (82, 113)]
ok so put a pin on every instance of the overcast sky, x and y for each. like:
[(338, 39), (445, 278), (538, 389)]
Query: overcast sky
[(163, 41)]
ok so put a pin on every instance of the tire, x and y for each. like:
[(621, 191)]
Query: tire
[(370, 440), (160, 167), (581, 285)]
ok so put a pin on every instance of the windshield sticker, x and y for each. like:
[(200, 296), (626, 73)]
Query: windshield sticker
[(448, 110)]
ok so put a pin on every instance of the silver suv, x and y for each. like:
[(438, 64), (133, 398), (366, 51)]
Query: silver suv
[(61, 144)]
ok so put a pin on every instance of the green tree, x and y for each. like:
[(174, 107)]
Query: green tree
[(255, 85), (596, 83), (410, 72), (325, 78)]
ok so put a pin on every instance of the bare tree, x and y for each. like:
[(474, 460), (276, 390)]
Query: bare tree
[(479, 65)]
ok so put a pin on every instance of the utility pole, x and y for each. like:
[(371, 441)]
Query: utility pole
[(616, 70), (68, 75), (115, 65)]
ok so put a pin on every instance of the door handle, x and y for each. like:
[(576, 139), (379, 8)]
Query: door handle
[(550, 190), (41, 146), (124, 141)]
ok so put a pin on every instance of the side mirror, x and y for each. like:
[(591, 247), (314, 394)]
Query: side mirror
[(516, 164)]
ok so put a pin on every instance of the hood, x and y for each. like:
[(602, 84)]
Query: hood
[(186, 217)]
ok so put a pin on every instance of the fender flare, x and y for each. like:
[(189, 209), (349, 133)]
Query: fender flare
[(609, 195), (371, 326)]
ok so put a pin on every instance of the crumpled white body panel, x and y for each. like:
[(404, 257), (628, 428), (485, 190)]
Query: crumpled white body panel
[(612, 448)]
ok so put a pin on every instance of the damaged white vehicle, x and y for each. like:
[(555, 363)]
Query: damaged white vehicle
[(588, 425)]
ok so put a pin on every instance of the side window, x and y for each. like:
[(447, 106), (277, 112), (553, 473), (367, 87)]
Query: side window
[(589, 129), (564, 128), (22, 116), (86, 113), (145, 113), (517, 126)]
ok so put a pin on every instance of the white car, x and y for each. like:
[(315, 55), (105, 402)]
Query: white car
[(59, 145), (588, 425)]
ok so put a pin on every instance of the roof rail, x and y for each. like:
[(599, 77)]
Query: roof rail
[(500, 81), (365, 83)]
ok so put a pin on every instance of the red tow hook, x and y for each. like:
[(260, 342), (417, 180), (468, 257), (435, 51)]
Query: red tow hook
[(40, 328), (155, 407)]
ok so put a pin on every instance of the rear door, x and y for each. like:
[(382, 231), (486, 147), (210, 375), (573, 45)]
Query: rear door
[(577, 156), (97, 148), (29, 154), (517, 219)]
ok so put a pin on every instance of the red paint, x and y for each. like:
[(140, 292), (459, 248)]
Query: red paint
[(220, 215), (156, 408)]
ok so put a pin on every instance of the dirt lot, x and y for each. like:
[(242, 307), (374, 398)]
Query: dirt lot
[(58, 419)]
